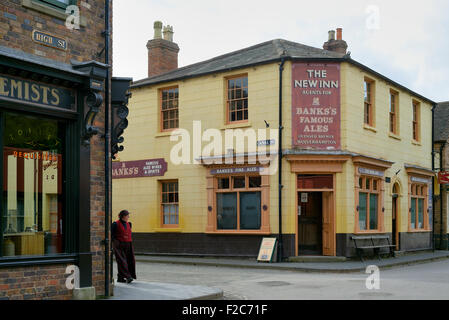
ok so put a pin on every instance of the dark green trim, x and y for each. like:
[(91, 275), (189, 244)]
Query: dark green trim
[(39, 260)]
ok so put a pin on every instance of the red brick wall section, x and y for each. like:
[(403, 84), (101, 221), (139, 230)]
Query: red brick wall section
[(162, 56), (16, 26), (34, 283)]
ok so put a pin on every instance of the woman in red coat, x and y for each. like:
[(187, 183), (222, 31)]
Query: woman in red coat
[(121, 235)]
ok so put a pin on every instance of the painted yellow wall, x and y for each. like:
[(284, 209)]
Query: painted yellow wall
[(203, 99)]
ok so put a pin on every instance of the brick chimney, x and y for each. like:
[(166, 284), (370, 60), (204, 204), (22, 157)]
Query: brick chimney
[(162, 53), (338, 45)]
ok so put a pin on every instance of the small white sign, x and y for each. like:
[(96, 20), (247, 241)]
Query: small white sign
[(304, 197)]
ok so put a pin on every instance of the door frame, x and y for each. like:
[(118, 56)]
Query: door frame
[(333, 213)]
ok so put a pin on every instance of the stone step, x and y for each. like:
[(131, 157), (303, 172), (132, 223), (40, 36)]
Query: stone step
[(316, 259)]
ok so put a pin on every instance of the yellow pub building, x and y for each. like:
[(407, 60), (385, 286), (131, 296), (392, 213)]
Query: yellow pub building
[(341, 153)]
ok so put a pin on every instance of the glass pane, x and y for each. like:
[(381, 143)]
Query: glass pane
[(245, 82), (226, 211), (315, 182), (223, 183), (373, 212), (255, 182), (250, 210), (413, 213), (362, 210), (420, 213), (239, 182), (368, 183), (32, 216), (375, 185), (361, 183)]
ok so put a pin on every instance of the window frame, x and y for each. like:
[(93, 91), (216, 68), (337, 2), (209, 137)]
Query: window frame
[(57, 4), (161, 111), (161, 206), (394, 97), (369, 192), (416, 196), (227, 100), (231, 189), (416, 121), (370, 103)]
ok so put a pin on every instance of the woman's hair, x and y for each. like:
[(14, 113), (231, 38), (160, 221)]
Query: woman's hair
[(123, 213)]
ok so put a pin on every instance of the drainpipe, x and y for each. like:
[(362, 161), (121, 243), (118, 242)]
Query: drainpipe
[(441, 198), (280, 155), (107, 149), (433, 178)]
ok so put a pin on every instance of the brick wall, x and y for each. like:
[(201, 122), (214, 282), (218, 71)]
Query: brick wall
[(34, 283), (16, 25)]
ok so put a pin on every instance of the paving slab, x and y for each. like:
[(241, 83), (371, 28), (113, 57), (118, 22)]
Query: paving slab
[(320, 267), (141, 290)]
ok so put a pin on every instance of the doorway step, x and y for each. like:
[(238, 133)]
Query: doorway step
[(316, 259)]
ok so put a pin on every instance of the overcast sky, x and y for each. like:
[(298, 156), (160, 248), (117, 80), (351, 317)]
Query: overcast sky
[(407, 41)]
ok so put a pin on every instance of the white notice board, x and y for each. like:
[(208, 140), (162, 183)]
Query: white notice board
[(267, 249)]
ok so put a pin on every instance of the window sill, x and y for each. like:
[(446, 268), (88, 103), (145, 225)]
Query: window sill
[(168, 230), (416, 143), (236, 125), (371, 232), (46, 9), (394, 136), (19, 261), (164, 134), (369, 128), (419, 231)]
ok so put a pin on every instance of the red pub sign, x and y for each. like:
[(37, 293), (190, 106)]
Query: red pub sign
[(138, 169), (316, 106)]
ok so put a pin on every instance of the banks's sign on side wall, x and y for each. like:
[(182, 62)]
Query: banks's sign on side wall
[(316, 106)]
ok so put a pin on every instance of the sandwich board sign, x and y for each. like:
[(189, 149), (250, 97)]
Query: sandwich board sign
[(267, 250)]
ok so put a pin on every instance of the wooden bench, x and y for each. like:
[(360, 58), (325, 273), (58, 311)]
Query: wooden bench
[(374, 246)]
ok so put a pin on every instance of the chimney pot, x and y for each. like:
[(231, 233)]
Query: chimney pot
[(168, 33), (157, 30), (339, 34), (331, 35)]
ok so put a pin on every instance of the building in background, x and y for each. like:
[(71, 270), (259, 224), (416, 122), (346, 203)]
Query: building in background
[(355, 150), (441, 149), (55, 122)]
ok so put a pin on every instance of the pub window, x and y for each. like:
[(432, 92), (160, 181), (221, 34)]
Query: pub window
[(33, 214), (169, 102), (368, 116), (418, 210), (237, 99), (170, 203), (368, 208), (394, 110), (239, 203), (416, 120)]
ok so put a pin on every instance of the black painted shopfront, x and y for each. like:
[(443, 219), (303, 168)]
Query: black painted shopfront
[(47, 114)]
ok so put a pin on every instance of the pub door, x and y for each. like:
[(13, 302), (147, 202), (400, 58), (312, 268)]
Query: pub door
[(310, 213)]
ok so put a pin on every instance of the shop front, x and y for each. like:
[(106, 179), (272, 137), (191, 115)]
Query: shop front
[(47, 120)]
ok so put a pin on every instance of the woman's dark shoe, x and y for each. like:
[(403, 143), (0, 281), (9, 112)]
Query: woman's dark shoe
[(129, 280)]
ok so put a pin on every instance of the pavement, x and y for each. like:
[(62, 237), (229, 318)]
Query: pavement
[(141, 290)]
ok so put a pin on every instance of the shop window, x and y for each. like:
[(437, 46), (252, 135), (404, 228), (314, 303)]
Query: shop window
[(237, 99), (170, 203), (239, 207), (369, 102), (169, 106), (416, 120), (368, 208), (32, 215), (394, 110), (418, 210)]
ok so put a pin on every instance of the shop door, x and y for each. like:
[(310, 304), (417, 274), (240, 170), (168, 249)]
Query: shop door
[(310, 209), (394, 221), (328, 224)]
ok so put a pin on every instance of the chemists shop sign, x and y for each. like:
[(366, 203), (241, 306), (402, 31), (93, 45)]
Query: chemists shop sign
[(24, 91), (316, 106)]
